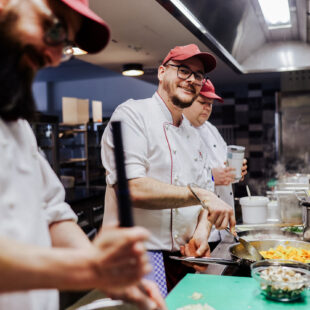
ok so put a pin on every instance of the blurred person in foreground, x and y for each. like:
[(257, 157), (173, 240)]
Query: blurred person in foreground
[(198, 114), (163, 154), (42, 247)]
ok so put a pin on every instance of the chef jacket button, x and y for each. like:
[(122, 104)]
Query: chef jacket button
[(174, 151), (11, 205), (176, 236), (187, 136), (230, 193), (195, 159), (214, 145)]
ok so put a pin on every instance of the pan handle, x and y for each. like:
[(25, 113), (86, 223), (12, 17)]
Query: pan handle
[(207, 260)]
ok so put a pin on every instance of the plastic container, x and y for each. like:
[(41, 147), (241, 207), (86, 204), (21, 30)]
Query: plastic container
[(254, 209), (273, 212), (282, 280)]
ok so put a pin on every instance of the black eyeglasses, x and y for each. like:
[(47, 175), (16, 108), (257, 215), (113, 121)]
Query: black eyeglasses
[(57, 34), (185, 73)]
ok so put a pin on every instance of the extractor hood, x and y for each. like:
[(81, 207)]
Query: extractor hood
[(236, 31)]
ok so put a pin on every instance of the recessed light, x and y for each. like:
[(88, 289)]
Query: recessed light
[(133, 70)]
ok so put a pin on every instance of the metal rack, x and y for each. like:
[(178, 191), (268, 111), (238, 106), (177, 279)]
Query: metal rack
[(70, 130), (45, 128)]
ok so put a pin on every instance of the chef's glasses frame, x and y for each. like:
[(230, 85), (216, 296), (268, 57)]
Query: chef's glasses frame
[(57, 34), (185, 73)]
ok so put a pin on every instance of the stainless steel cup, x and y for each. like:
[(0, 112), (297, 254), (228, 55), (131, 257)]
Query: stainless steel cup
[(235, 156)]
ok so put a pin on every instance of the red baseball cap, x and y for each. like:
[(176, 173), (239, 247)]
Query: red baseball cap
[(94, 34), (208, 91), (188, 51)]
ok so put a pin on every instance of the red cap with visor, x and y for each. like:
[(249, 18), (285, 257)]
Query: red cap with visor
[(208, 91), (189, 51), (94, 34)]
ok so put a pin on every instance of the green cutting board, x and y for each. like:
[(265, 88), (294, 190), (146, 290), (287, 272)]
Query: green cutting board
[(226, 293)]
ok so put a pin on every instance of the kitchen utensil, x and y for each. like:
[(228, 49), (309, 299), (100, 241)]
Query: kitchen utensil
[(282, 280), (123, 197), (101, 304), (248, 246), (241, 257), (251, 249), (248, 191)]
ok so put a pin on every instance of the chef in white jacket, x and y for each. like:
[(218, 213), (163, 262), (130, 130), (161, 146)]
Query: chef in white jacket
[(198, 114)]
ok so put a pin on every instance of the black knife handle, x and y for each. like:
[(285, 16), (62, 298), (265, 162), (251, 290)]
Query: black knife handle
[(123, 197)]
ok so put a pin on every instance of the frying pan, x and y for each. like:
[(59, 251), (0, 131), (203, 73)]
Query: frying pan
[(239, 255)]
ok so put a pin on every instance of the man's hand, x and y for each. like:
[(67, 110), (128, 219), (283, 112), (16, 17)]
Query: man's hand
[(223, 176), (198, 245), (220, 213), (145, 295), (119, 258), (244, 169), (192, 248)]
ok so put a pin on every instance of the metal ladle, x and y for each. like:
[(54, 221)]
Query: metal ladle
[(256, 256)]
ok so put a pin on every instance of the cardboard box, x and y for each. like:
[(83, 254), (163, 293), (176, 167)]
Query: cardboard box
[(97, 111), (75, 110)]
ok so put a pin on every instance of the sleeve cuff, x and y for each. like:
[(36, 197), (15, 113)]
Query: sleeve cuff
[(132, 172), (60, 212)]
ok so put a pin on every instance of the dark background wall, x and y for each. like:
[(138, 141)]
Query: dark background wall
[(82, 80), (250, 110)]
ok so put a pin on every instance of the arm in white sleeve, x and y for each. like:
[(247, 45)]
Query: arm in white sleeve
[(55, 207), (135, 145)]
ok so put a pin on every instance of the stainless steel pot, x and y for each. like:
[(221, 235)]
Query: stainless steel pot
[(268, 234), (306, 219)]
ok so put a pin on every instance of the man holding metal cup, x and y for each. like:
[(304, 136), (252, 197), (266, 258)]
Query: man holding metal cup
[(219, 154)]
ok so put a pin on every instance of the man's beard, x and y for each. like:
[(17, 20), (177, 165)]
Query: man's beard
[(178, 102), (181, 103), (16, 99)]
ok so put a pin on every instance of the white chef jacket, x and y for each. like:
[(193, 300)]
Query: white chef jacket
[(217, 154), (31, 198), (155, 148)]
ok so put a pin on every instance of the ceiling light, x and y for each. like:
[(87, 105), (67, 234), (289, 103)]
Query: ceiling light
[(191, 17), (276, 13), (133, 70), (77, 51)]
